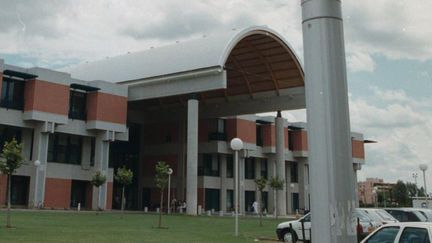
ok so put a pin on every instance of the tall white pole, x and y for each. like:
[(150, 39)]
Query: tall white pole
[(236, 145), (236, 186), (329, 138)]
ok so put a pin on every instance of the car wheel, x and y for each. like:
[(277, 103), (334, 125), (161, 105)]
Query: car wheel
[(289, 236)]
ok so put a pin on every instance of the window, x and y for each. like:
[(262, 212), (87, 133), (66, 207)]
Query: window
[(77, 105), (208, 166), (291, 140), (264, 168), (230, 167), (259, 137), (414, 235), (64, 148), (250, 168), (7, 133), (294, 172), (387, 234), (218, 130), (12, 94)]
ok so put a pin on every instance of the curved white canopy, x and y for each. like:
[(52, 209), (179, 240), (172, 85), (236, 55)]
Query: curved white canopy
[(206, 52)]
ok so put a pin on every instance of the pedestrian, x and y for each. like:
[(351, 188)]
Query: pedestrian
[(255, 207)]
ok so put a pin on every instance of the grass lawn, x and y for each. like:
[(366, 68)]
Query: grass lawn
[(46, 226)]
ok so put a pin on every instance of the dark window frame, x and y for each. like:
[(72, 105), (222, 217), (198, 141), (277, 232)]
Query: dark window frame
[(65, 153), (77, 105), (14, 101), (249, 168)]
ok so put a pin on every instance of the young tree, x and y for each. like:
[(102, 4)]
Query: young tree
[(161, 180), (11, 160), (98, 180), (400, 194), (261, 184), (276, 184), (123, 176)]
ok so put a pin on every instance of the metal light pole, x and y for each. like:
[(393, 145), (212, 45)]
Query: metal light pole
[(236, 145), (170, 171), (423, 168), (329, 138), (36, 199), (415, 175)]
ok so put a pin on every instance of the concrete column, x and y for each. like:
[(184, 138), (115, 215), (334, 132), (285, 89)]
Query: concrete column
[(242, 184), (181, 158), (192, 158), (86, 153), (40, 152), (356, 168), (257, 175), (280, 162), (223, 184), (288, 190), (302, 184), (272, 173), (329, 137), (101, 164)]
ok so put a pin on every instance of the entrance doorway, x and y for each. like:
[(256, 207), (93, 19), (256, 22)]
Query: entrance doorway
[(20, 190)]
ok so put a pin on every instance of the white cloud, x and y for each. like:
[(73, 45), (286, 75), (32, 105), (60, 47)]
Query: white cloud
[(360, 61), (401, 125)]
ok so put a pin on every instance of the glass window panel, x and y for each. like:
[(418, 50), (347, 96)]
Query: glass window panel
[(387, 234), (411, 234)]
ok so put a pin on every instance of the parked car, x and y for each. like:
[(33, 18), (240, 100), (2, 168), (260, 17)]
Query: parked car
[(407, 214), (284, 233), (412, 232), (379, 215), (426, 212)]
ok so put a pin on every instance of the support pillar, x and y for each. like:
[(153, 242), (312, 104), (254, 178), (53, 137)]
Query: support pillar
[(40, 152), (280, 163), (289, 190), (101, 164), (192, 157), (356, 168), (302, 183), (223, 183), (329, 138), (272, 173)]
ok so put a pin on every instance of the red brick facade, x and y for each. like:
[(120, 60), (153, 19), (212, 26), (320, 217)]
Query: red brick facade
[(299, 140), (358, 149), (57, 193), (46, 97), (106, 107)]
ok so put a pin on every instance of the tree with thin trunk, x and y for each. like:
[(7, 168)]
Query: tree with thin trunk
[(124, 177), (276, 184), (261, 184), (161, 180), (11, 159), (97, 181)]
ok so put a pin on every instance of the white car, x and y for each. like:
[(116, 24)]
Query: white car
[(412, 232), (379, 215), (294, 233)]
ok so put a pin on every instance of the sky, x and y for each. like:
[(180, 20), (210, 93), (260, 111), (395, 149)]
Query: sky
[(388, 52)]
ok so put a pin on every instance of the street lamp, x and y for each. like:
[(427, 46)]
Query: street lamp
[(170, 171), (236, 145), (424, 167), (415, 175), (36, 163)]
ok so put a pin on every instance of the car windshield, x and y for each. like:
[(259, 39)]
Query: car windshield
[(370, 215), (384, 215)]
